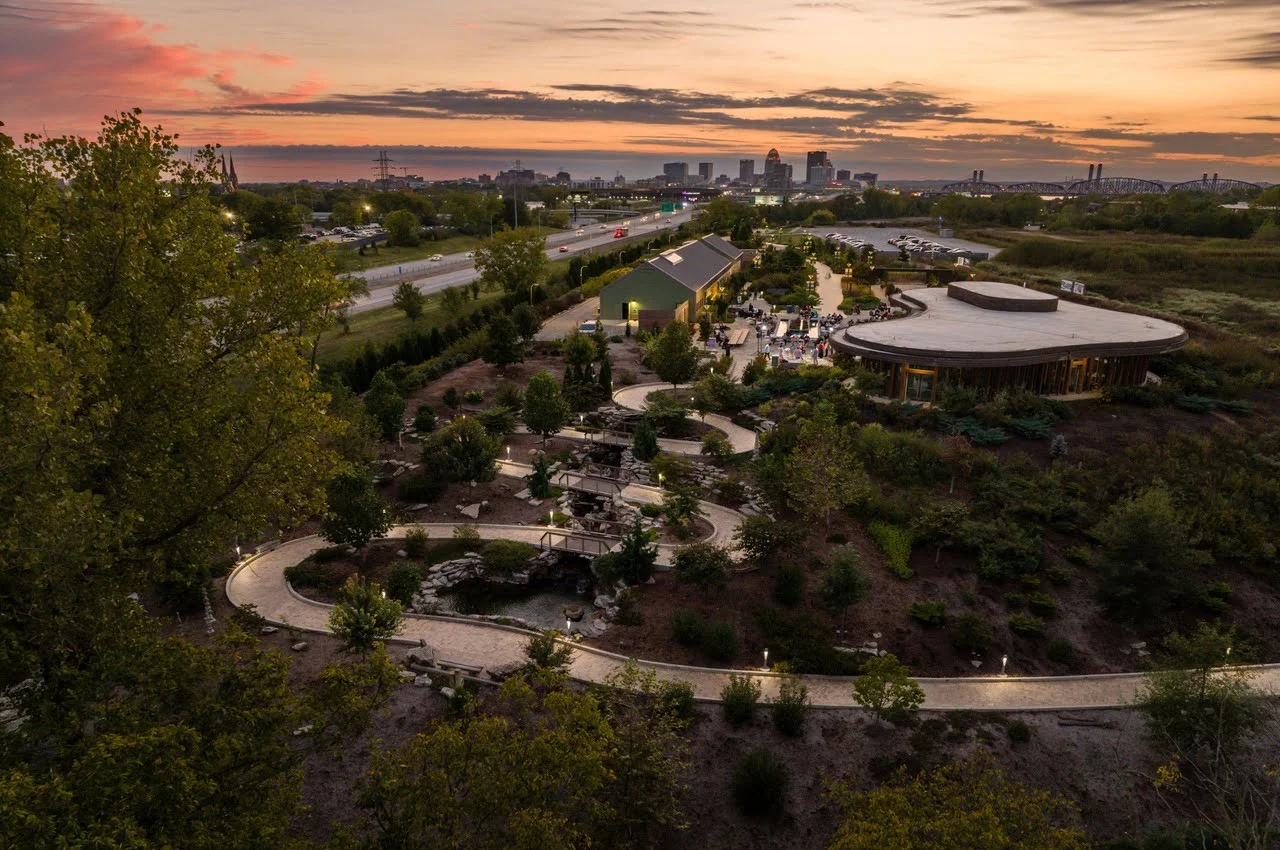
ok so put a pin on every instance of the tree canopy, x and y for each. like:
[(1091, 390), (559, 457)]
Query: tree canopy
[(512, 260)]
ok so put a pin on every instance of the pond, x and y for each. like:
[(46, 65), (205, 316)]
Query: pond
[(540, 604)]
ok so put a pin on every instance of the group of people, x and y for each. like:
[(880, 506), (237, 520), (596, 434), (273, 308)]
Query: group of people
[(875, 314), (799, 349)]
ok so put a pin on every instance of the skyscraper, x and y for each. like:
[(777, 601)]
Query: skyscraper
[(817, 168), (747, 171), (706, 172), (843, 175), (677, 173), (776, 174)]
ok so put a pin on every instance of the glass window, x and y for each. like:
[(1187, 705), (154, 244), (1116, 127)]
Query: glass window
[(919, 386)]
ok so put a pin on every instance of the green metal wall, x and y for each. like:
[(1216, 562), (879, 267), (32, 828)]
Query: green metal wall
[(647, 289)]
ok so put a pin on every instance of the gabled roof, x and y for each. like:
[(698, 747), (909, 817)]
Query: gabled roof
[(723, 246), (693, 265)]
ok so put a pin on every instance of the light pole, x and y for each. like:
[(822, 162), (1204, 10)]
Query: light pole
[(531, 286), (1004, 661), (766, 658)]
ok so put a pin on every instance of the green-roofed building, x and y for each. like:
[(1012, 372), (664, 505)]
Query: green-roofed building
[(672, 286)]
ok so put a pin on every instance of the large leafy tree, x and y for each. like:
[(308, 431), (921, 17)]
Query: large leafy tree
[(156, 401), (672, 354), (409, 300), (887, 689), (356, 514), (545, 410), (386, 405), (504, 345), (971, 804), (512, 260), (402, 227), (463, 451), (823, 474)]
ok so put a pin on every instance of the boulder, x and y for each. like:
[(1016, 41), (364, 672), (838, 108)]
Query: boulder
[(447, 693), (300, 646), (472, 511), (422, 680), (268, 630)]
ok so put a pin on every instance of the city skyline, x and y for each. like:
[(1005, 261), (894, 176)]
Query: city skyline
[(925, 89)]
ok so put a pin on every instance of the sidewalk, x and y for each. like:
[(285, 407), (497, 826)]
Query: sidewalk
[(260, 581), (635, 398)]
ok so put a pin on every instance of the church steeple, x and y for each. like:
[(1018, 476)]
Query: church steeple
[(235, 181)]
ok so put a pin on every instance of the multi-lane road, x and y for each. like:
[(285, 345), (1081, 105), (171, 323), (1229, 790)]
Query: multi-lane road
[(457, 269)]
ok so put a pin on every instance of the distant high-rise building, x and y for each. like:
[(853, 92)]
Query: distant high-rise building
[(517, 177), (777, 175), (484, 179), (677, 173), (817, 170), (706, 172), (562, 178), (843, 175), (747, 171), (867, 178)]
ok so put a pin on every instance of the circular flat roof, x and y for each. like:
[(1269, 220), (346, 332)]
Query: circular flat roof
[(995, 324)]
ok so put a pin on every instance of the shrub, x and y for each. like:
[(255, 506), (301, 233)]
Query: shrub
[(1058, 575), (450, 397), (329, 554), (629, 613), (421, 489), (895, 542), (930, 612), (788, 585), (1237, 406), (1195, 403), (1043, 604), (1061, 651), (403, 580), (509, 396), (760, 784), (715, 444), (651, 511), (687, 627), (625, 377), (424, 421), (416, 542), (1016, 601), (473, 396), (791, 707), (1026, 625), (837, 539), (739, 698), (1216, 596), (721, 641), (1019, 732), (466, 531), (676, 699), (1031, 429), (1079, 555), (504, 557), (318, 576), (730, 491), (971, 633), (1058, 446)]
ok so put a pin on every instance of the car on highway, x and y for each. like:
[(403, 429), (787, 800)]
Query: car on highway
[(564, 249), (435, 258), (470, 255), (619, 233), (581, 232), (668, 221), (603, 227)]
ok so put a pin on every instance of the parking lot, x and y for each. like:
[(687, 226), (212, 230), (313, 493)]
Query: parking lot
[(880, 236)]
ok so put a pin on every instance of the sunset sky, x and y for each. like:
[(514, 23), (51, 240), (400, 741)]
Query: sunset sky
[(909, 88)]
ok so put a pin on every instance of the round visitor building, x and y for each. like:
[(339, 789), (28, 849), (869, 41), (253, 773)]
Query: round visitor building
[(992, 336)]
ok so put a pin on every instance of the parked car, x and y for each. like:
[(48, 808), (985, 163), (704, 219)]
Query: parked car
[(587, 327)]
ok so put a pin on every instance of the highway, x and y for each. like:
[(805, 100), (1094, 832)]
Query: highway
[(457, 270)]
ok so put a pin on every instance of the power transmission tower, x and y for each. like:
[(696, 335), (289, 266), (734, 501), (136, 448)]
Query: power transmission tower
[(382, 167)]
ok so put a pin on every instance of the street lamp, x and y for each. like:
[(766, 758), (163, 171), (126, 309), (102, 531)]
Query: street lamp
[(1004, 661), (531, 286), (568, 626), (766, 658)]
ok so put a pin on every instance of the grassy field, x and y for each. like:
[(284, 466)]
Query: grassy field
[(1231, 283), (387, 323), (349, 259)]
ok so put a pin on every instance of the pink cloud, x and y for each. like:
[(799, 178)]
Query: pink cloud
[(66, 71)]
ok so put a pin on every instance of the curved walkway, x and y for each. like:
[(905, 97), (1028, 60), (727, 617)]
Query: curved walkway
[(260, 581), (687, 448), (636, 397), (724, 521)]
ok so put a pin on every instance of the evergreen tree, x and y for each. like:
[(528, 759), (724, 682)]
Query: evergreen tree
[(385, 405), (644, 442), (503, 346), (356, 514), (606, 376)]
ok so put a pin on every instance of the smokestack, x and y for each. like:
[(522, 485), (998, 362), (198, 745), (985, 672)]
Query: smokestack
[(1215, 179), (982, 172), (1091, 172), (1205, 178), (1099, 174), (975, 176)]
